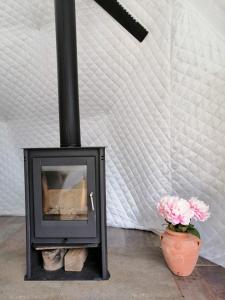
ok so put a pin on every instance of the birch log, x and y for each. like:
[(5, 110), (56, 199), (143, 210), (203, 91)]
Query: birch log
[(53, 259), (74, 259)]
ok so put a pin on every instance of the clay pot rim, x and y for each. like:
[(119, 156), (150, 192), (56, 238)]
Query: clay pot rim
[(181, 234)]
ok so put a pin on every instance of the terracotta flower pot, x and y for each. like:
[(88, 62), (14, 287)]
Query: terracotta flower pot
[(181, 251)]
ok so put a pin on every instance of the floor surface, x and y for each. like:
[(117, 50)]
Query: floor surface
[(136, 265)]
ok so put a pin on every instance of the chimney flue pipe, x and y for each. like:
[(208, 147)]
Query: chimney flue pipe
[(69, 116)]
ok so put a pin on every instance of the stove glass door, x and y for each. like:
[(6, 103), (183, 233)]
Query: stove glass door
[(64, 192), (65, 197)]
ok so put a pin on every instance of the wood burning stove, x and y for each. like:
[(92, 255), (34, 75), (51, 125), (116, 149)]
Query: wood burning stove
[(65, 208), (65, 187)]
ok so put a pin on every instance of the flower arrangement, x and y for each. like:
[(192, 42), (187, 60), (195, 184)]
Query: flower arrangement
[(179, 212)]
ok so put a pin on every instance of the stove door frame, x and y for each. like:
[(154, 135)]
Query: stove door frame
[(64, 228)]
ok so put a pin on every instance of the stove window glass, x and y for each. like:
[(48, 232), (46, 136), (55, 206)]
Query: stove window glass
[(64, 192)]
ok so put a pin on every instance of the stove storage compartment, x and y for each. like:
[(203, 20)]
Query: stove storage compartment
[(65, 208)]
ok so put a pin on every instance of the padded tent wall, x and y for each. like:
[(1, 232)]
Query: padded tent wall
[(158, 106)]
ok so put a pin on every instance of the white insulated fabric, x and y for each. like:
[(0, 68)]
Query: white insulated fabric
[(198, 121), (157, 106)]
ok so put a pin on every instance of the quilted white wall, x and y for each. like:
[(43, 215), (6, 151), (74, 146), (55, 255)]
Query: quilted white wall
[(198, 120), (158, 106)]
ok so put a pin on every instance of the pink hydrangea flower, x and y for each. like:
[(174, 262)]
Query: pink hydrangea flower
[(200, 209), (175, 210)]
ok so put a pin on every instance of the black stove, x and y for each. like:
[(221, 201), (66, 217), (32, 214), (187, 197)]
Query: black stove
[(65, 187)]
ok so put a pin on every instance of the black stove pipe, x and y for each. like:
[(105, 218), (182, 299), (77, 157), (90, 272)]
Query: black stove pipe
[(69, 116)]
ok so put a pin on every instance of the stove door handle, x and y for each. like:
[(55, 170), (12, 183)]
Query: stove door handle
[(92, 201)]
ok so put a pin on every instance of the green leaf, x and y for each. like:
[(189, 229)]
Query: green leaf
[(193, 231), (172, 227), (182, 228)]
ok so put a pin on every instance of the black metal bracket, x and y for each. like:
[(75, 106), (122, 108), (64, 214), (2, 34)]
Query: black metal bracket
[(121, 15)]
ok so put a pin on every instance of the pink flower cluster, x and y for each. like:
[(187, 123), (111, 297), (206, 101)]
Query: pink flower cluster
[(200, 209), (180, 211)]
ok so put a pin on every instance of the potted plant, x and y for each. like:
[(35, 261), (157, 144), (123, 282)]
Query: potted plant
[(181, 241)]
